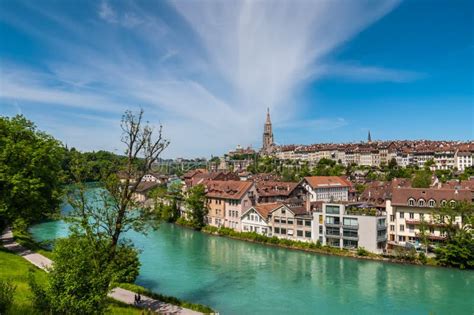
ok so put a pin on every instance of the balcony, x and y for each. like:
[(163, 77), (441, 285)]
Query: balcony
[(433, 237), (382, 238), (381, 227), (351, 238), (418, 222), (334, 224), (331, 235), (351, 227)]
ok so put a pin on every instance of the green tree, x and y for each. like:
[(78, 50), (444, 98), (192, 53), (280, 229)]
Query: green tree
[(422, 179), (30, 171), (196, 204), (7, 291), (458, 250)]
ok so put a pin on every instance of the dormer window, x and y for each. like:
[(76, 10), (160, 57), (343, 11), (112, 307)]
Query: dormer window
[(431, 203), (452, 203), (421, 203), (443, 203), (411, 202)]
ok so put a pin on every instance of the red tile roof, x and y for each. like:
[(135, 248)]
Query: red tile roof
[(400, 196), (327, 181), (228, 189)]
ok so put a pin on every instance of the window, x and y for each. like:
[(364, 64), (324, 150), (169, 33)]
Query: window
[(277, 220), (350, 222), (402, 214), (307, 234), (332, 231), (307, 222), (392, 227), (402, 228), (421, 203), (283, 221), (431, 203), (299, 222), (277, 230), (412, 215), (333, 220), (320, 229), (283, 211), (431, 230), (299, 233), (290, 221), (411, 202), (332, 209), (392, 218), (401, 238), (320, 219), (349, 233), (283, 231), (443, 203)]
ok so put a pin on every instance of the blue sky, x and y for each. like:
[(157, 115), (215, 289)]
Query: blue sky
[(207, 70)]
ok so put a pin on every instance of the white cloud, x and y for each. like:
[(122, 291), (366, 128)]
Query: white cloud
[(210, 88), (370, 74)]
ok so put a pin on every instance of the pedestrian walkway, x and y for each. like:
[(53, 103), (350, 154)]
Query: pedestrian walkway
[(119, 294)]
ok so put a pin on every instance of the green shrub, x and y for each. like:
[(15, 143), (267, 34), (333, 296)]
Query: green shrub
[(7, 291), (422, 258), (361, 251)]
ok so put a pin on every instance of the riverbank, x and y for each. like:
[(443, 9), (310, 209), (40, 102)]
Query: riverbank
[(405, 257), (160, 303)]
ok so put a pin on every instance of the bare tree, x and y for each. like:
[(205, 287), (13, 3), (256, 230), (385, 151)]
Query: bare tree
[(113, 210)]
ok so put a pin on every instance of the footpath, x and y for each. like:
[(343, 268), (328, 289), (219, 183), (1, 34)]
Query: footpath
[(119, 294)]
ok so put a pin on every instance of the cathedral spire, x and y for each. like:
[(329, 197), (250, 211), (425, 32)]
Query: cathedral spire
[(369, 138), (268, 116), (267, 143)]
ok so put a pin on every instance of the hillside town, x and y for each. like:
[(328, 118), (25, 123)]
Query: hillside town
[(329, 210)]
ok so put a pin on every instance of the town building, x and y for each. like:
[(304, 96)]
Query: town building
[(291, 221), (277, 191), (408, 208), (350, 226), (227, 200), (255, 219), (327, 188)]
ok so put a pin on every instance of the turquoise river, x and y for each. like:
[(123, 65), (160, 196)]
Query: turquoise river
[(236, 277)]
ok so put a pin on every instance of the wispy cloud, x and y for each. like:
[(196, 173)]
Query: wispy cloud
[(210, 81), (370, 74)]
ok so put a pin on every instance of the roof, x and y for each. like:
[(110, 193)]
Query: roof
[(145, 186), (275, 188), (327, 181), (400, 196), (227, 189), (462, 184), (378, 191), (265, 208)]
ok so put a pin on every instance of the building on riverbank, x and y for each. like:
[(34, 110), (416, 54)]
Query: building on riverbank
[(291, 221), (350, 226), (255, 219), (227, 200), (410, 208)]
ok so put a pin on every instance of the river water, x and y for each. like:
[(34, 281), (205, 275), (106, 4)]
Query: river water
[(236, 277)]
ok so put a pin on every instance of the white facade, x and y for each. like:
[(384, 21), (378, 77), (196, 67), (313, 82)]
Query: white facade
[(464, 160), (328, 193), (252, 221), (333, 226)]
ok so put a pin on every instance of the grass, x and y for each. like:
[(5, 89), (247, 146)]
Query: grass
[(15, 269), (167, 299)]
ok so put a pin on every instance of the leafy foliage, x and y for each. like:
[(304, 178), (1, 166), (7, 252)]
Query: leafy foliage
[(7, 291), (196, 203), (30, 171)]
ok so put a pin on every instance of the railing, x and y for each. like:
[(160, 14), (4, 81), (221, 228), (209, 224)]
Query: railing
[(351, 227), (381, 238), (351, 238), (333, 224), (333, 235), (381, 227)]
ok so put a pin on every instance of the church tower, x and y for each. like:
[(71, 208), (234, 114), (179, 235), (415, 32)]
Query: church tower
[(369, 138), (267, 143)]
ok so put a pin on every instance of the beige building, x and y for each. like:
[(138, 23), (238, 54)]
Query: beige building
[(327, 188), (291, 222), (227, 201), (410, 207)]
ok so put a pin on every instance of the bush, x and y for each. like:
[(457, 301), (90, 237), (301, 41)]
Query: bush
[(422, 258), (361, 251), (7, 291)]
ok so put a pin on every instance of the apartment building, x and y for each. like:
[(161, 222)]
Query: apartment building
[(270, 191), (350, 226), (227, 201), (408, 208), (327, 188), (291, 222), (255, 219)]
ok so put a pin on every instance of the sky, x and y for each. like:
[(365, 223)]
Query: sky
[(329, 71)]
